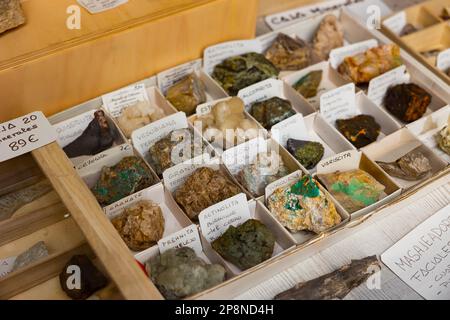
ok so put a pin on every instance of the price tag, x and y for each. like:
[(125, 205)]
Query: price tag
[(396, 23), (379, 85), (97, 6), (25, 134), (116, 101), (187, 237), (215, 220), (6, 266), (339, 103), (338, 55), (168, 78), (291, 128), (344, 161), (262, 91), (422, 258), (443, 60)]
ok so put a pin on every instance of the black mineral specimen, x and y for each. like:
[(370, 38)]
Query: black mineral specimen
[(360, 130)]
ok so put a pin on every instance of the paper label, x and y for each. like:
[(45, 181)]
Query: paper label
[(344, 161), (187, 237), (116, 101), (422, 258), (400, 150), (97, 6), (206, 107), (396, 23), (443, 60), (147, 136), (24, 134), (291, 128), (338, 55), (6, 266), (283, 182), (177, 175), (91, 162), (69, 130), (215, 220), (168, 78), (379, 85), (214, 55), (339, 103), (117, 208), (243, 154), (262, 91)]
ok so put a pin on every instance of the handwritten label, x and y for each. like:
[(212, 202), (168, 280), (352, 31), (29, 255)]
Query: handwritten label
[(145, 137), (215, 220), (243, 154), (116, 101), (262, 91), (396, 23), (291, 128), (379, 85), (24, 134), (214, 55), (117, 208), (422, 258), (206, 107), (69, 130), (187, 237), (443, 60), (124, 150), (97, 6), (338, 55), (339, 103), (344, 161), (168, 78), (283, 182), (6, 266)]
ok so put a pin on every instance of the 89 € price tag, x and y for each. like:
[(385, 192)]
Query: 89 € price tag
[(25, 134)]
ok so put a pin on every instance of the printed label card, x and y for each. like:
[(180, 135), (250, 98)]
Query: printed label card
[(262, 91), (168, 78), (187, 237), (116, 101), (338, 55), (339, 103), (97, 6), (344, 161)]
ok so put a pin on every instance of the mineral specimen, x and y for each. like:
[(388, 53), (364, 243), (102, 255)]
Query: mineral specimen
[(246, 245), (354, 189), (130, 175), (140, 225), (303, 206), (204, 188), (336, 284), (287, 53), (270, 112), (408, 29), (91, 279), (365, 66), (11, 15), (407, 101), (227, 123), (307, 85), (138, 116), (328, 37), (239, 72), (308, 153), (445, 15), (443, 138), (412, 166), (177, 147), (360, 130), (266, 169), (97, 137), (179, 273), (13, 201), (187, 94), (33, 254)]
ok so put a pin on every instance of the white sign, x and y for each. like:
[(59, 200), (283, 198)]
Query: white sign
[(206, 107), (24, 134), (125, 148), (97, 6), (214, 55), (262, 91), (379, 85), (291, 128), (339, 103), (338, 55), (116, 101), (283, 182), (215, 220), (187, 237), (115, 209), (168, 78), (443, 60), (71, 129), (396, 23), (422, 258), (344, 161), (6, 266)]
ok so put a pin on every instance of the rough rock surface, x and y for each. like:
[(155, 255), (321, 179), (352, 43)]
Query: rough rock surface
[(11, 15), (308, 84), (33, 254), (187, 94), (443, 139), (271, 111), (308, 153), (138, 116), (412, 166), (328, 37), (360, 130)]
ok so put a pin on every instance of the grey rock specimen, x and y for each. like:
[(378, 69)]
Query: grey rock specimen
[(412, 166), (36, 252), (11, 15)]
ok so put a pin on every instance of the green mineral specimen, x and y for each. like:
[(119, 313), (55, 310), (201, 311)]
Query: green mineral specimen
[(308, 153), (247, 245), (179, 273), (239, 72), (130, 175), (270, 112), (307, 85)]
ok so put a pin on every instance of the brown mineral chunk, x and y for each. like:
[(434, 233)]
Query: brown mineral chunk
[(204, 188), (408, 29), (328, 37), (141, 225), (360, 130), (187, 94), (412, 166), (11, 15)]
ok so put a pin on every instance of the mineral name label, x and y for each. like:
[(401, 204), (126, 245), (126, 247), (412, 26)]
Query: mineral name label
[(187, 237)]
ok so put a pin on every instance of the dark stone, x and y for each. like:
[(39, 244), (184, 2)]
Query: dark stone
[(271, 111), (360, 130), (308, 153), (307, 85)]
